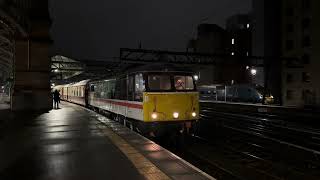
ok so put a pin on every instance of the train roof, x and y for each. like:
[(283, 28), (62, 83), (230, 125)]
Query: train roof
[(57, 87), (159, 67), (81, 83)]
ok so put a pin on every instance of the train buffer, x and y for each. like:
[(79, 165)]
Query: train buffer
[(76, 143)]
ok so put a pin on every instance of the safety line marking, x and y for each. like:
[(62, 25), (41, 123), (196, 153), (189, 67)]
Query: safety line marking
[(141, 163)]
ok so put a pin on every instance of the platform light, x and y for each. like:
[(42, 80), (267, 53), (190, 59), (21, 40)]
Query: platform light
[(253, 72), (175, 115), (2, 87), (232, 41), (194, 114), (56, 70), (154, 115), (232, 54), (248, 26), (53, 85), (196, 77), (247, 67)]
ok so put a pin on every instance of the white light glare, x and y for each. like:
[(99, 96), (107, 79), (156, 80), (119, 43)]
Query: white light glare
[(194, 114), (175, 115), (196, 77), (253, 72), (56, 70), (154, 115), (232, 41)]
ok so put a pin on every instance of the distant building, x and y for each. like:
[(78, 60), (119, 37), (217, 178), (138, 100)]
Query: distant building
[(213, 39), (266, 42), (239, 35), (239, 40), (301, 39), (289, 29), (210, 39)]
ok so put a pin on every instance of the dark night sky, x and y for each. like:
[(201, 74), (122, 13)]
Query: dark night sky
[(96, 29)]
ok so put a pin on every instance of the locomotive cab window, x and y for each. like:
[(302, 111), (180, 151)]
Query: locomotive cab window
[(159, 82), (183, 83)]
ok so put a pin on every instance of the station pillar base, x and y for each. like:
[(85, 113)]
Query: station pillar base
[(31, 86)]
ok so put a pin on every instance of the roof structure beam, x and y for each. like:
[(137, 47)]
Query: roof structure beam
[(144, 56)]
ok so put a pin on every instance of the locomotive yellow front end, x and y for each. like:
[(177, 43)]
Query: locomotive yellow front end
[(170, 102), (170, 106)]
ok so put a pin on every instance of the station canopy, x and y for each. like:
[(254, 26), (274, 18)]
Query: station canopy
[(65, 69), (71, 70), (6, 53)]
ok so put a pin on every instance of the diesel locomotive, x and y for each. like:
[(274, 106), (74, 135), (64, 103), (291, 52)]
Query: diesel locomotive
[(152, 100)]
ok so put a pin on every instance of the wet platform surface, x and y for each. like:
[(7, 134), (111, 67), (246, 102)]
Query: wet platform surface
[(75, 143)]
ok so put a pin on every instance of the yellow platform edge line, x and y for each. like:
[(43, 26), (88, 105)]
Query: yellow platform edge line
[(146, 168)]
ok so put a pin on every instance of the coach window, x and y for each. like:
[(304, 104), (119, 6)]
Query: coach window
[(92, 88), (112, 87), (139, 87), (123, 89), (131, 88)]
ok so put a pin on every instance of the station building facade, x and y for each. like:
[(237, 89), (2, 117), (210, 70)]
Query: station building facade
[(301, 39)]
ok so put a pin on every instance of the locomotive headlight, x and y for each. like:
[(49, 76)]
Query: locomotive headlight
[(175, 115), (194, 114), (154, 115)]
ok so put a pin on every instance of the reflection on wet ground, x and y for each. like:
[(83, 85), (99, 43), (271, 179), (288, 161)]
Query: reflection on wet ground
[(60, 144)]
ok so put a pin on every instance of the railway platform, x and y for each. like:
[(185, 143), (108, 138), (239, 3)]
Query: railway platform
[(75, 143)]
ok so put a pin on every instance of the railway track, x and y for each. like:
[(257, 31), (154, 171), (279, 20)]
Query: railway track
[(284, 132), (264, 146), (245, 147)]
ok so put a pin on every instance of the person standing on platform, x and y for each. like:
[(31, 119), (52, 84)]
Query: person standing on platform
[(56, 99)]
